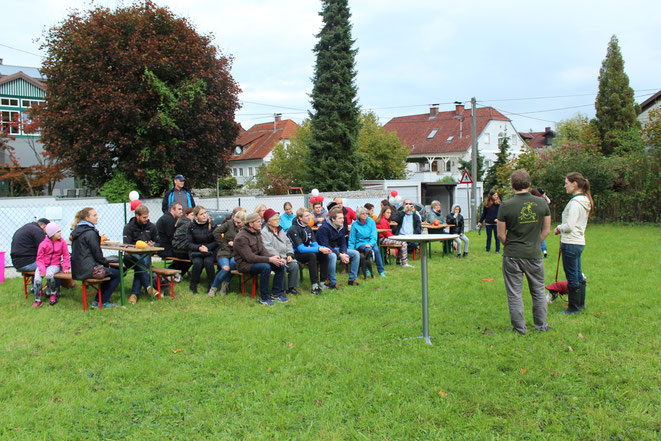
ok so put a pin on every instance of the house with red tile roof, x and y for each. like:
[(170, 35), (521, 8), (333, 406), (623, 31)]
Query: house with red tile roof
[(439, 139), (253, 147), (538, 140)]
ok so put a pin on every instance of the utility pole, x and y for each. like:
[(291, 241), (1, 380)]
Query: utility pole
[(474, 162)]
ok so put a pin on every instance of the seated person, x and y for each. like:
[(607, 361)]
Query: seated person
[(139, 228), (24, 246), (287, 217), (408, 222), (332, 235), (276, 242), (318, 213), (252, 258), (180, 244), (165, 226), (370, 209), (364, 238), (308, 251), (383, 223), (202, 247), (456, 220), (225, 234), (435, 214)]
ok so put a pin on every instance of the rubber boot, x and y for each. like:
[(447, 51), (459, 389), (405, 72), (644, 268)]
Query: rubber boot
[(573, 299), (581, 296)]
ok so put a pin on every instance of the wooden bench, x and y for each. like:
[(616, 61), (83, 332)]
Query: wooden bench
[(174, 259), (244, 279), (28, 277), (167, 274)]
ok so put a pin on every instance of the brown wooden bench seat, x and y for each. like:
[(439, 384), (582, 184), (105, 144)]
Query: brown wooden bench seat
[(28, 277)]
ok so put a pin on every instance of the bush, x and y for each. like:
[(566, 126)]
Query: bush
[(118, 188)]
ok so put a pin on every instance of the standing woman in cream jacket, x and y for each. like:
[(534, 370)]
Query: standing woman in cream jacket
[(572, 240)]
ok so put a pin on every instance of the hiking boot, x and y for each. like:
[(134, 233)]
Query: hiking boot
[(53, 299), (353, 283), (212, 291), (37, 303), (223, 288), (292, 291), (133, 299), (266, 302), (152, 291)]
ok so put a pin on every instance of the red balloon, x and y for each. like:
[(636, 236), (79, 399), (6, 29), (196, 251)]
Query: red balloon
[(134, 204), (320, 198), (393, 193), (313, 200)]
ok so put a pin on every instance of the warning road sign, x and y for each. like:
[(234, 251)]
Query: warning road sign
[(466, 178)]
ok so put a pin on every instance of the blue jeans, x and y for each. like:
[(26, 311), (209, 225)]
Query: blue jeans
[(543, 245), (140, 265), (571, 263), (354, 264), (264, 271), (224, 275), (109, 286), (377, 257), (492, 229)]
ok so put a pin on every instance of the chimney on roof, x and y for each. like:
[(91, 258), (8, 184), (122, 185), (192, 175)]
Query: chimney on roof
[(433, 110), (459, 108), (547, 129), (277, 117), (0, 60)]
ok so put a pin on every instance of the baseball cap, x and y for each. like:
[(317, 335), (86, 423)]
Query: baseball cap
[(180, 177)]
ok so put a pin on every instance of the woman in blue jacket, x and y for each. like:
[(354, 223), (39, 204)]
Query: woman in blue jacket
[(364, 238)]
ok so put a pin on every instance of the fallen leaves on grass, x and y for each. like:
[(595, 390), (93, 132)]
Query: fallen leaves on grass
[(487, 332), (291, 345), (523, 371), (581, 336), (570, 349), (442, 394), (174, 351), (487, 280)]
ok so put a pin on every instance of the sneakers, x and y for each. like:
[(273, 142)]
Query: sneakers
[(383, 274), (368, 273), (316, 289), (323, 286), (95, 304), (177, 278), (332, 287), (546, 254), (133, 299), (193, 289), (37, 303), (281, 298), (458, 256), (224, 286), (353, 283), (465, 253), (497, 252), (53, 299), (212, 291), (293, 291), (266, 302), (406, 265), (152, 291)]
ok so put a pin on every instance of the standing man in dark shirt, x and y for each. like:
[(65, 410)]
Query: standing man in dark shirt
[(524, 221), (178, 193), (25, 243)]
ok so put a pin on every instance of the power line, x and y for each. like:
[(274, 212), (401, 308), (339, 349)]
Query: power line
[(21, 50)]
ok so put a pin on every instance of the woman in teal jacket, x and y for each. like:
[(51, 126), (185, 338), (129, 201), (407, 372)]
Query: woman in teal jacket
[(364, 238)]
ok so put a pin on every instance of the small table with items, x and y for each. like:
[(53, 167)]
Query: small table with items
[(122, 248), (423, 269)]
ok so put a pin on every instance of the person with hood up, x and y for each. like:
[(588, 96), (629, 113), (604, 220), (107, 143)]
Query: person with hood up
[(52, 257), (572, 238), (86, 254), (456, 220)]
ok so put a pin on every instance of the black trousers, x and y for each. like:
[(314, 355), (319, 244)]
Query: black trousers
[(208, 262), (315, 262)]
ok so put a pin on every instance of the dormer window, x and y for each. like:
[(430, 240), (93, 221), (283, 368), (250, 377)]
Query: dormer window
[(450, 138), (238, 150), (432, 134)]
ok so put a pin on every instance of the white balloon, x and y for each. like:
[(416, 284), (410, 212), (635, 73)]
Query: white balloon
[(391, 200), (134, 195), (398, 198), (314, 193)]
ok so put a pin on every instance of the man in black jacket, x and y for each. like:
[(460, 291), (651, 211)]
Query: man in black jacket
[(25, 243), (139, 228), (165, 227)]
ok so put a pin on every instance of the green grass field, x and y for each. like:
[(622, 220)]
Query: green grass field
[(338, 366)]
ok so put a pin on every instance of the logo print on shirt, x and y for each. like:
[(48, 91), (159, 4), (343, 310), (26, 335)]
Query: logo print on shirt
[(528, 216)]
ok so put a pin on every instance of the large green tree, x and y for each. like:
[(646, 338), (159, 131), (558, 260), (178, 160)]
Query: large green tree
[(137, 90), (383, 155), (502, 157), (333, 163), (615, 107), (577, 130)]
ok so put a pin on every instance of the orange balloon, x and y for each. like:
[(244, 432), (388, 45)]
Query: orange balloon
[(311, 223)]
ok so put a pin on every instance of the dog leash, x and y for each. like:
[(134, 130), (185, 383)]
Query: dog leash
[(557, 267)]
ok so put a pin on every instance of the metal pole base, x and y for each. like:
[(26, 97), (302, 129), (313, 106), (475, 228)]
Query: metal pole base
[(427, 339)]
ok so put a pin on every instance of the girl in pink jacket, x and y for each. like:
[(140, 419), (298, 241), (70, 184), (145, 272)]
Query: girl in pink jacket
[(52, 257)]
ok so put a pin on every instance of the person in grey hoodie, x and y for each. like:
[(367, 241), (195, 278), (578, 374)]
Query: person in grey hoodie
[(277, 242), (572, 240)]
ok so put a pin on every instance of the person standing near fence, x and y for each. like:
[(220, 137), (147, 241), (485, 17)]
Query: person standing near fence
[(523, 222), (572, 240), (489, 216), (178, 193)]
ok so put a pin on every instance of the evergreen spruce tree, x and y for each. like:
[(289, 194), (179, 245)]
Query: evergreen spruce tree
[(332, 163), (468, 165), (615, 107), (491, 179)]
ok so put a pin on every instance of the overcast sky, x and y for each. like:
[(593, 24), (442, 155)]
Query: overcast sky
[(522, 57)]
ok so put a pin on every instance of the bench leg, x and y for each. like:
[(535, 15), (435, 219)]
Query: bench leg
[(27, 280), (84, 297), (254, 286)]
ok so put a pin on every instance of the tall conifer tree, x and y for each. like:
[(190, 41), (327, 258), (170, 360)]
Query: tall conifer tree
[(333, 163), (615, 107)]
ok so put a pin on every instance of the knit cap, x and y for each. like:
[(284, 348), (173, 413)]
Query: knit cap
[(52, 229)]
